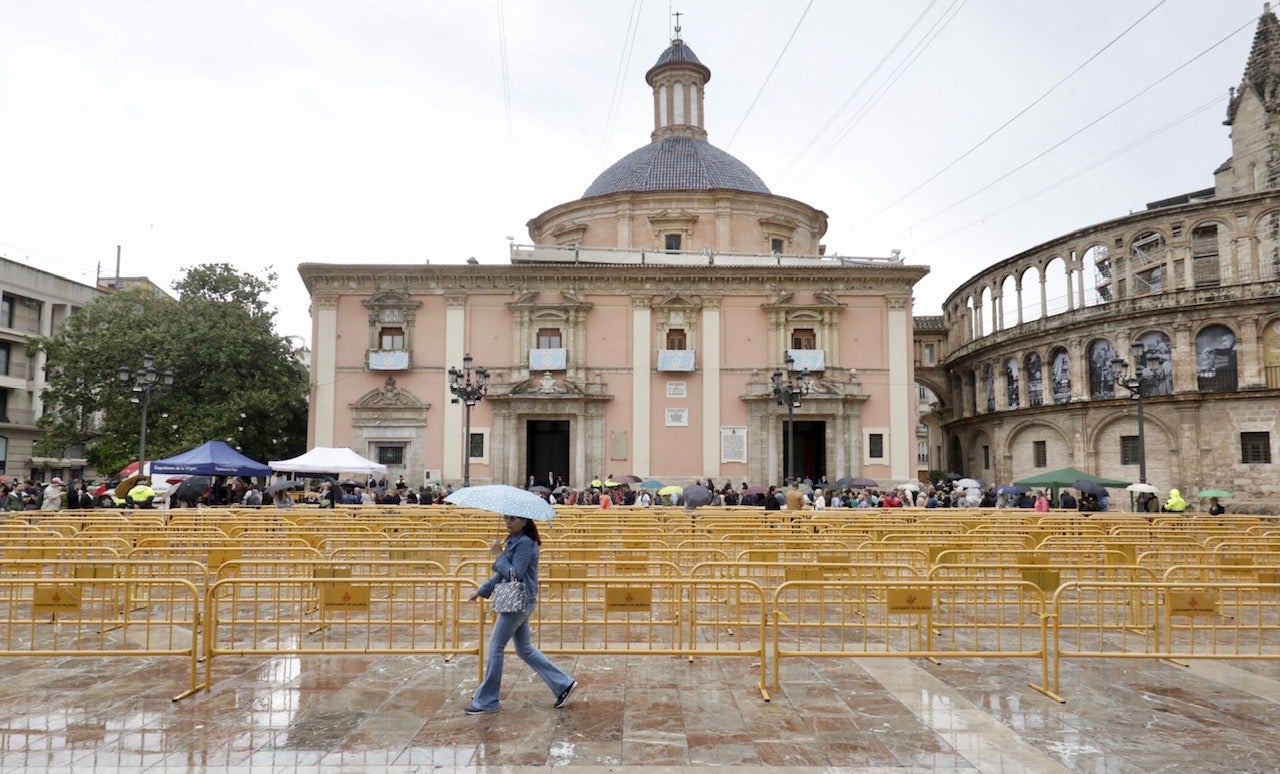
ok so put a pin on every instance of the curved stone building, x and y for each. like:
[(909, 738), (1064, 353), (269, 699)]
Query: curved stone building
[(1143, 347), (639, 334)]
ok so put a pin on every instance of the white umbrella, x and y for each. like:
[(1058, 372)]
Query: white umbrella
[(968, 483), (914, 486), (505, 499), (1149, 489)]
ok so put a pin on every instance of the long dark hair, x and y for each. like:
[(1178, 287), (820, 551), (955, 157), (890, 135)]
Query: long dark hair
[(531, 529)]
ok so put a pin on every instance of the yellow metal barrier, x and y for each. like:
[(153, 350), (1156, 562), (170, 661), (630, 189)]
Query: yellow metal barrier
[(81, 616), (632, 616), (272, 616), (911, 618), (1177, 621)]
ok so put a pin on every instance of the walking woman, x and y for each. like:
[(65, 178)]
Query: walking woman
[(518, 560)]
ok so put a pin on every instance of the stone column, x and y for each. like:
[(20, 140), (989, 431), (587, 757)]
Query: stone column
[(324, 368), (902, 432), (641, 383), (455, 319), (709, 334)]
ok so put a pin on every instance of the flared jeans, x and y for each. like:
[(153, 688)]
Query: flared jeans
[(515, 626)]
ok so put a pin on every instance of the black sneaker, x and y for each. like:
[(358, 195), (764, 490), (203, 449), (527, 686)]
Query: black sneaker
[(474, 710), (563, 698)]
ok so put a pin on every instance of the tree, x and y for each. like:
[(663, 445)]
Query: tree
[(235, 378)]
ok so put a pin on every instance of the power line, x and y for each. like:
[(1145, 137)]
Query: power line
[(912, 56), (1067, 178), (1023, 111), (1091, 124), (624, 63), (506, 78), (770, 75), (867, 79)]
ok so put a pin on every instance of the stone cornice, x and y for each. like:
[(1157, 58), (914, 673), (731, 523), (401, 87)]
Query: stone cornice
[(333, 280)]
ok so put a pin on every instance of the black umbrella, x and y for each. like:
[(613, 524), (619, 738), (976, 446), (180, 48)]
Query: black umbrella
[(282, 486), (540, 489), (632, 479), (349, 482), (1090, 487), (696, 495), (191, 489)]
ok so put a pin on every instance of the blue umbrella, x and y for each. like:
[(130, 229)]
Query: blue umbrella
[(1012, 490), (504, 499), (1090, 487), (651, 484)]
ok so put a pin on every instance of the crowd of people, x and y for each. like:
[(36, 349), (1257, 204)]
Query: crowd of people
[(605, 493)]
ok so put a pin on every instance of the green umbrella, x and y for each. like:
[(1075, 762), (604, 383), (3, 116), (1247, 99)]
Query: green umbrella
[(1213, 493)]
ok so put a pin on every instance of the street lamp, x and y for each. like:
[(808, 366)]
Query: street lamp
[(470, 390), (787, 391), (1133, 383), (146, 382)]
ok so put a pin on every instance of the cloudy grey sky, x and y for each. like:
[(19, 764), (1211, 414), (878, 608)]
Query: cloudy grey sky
[(273, 132)]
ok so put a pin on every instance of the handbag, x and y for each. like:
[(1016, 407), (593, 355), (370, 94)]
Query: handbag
[(508, 596)]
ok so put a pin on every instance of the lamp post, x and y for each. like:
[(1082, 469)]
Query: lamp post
[(787, 391), (1133, 383), (468, 386), (146, 382)]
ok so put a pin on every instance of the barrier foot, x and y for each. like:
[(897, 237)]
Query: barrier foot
[(190, 691), (1176, 662), (449, 658), (319, 628), (1047, 692), (111, 628), (764, 692), (932, 660)]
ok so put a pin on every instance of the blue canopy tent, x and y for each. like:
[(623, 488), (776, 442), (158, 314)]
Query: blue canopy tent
[(211, 458)]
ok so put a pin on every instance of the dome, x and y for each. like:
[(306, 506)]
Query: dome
[(678, 163)]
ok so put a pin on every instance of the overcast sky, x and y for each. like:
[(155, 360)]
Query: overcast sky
[(266, 133)]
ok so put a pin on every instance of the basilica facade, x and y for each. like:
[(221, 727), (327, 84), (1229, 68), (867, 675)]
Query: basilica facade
[(645, 330), (1145, 347)]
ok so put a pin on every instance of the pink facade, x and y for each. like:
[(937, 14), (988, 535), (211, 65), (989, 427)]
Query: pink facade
[(638, 334)]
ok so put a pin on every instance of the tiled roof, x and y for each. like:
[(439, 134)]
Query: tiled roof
[(677, 164), (678, 53), (930, 322)]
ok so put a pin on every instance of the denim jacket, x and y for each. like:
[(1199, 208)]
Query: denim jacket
[(520, 555)]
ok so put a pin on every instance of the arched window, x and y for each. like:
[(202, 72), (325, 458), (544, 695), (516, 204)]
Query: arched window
[(1011, 383), (1102, 378), (988, 375), (1035, 379), (1271, 354), (4, 454), (1156, 370), (1061, 363), (1216, 359)]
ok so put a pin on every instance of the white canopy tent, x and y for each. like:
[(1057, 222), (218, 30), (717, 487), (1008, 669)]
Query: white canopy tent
[(328, 459)]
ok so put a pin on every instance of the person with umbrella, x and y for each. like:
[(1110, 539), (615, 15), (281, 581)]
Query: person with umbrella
[(516, 559)]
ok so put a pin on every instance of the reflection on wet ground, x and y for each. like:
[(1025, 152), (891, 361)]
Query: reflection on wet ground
[(403, 713)]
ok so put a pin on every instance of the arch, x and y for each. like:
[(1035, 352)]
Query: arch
[(1020, 448), (1208, 245), (1271, 353), (1102, 375), (1011, 370), (1216, 359), (971, 321), (1156, 369), (1099, 276), (977, 462), (1267, 230), (987, 324), (1058, 293), (1010, 303), (1148, 252), (1031, 283), (1034, 369), (1060, 361)]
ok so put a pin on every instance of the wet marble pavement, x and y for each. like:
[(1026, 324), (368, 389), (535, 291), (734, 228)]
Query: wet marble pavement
[(404, 713)]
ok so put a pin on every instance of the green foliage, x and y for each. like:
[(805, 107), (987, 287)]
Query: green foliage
[(235, 379)]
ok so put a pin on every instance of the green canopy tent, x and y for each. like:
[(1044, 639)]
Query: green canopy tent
[(1067, 477)]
